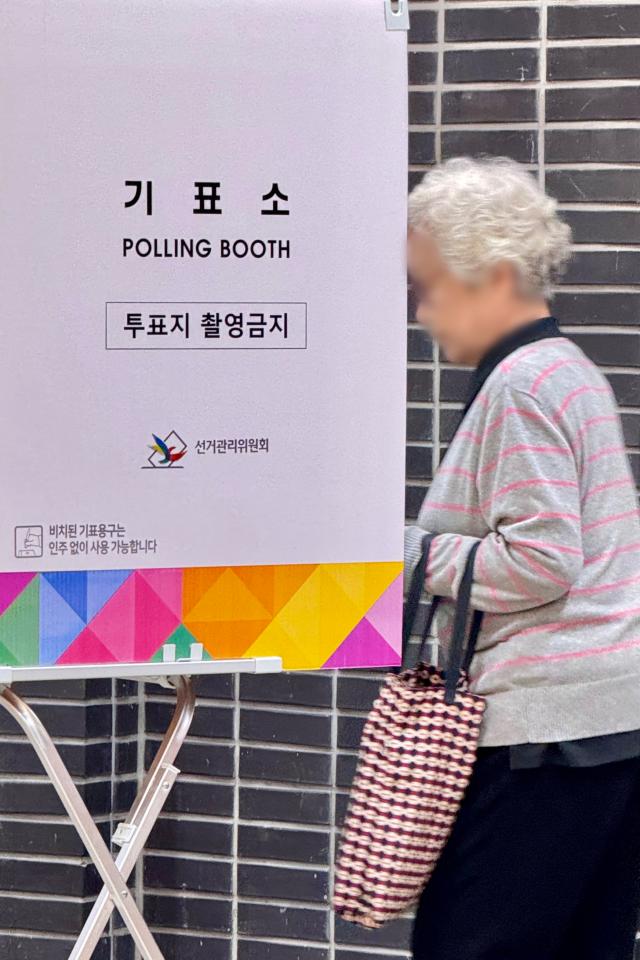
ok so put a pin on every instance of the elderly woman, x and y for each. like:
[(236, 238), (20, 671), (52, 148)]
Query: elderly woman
[(544, 859)]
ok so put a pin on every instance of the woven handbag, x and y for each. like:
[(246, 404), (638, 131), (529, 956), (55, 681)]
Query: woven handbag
[(416, 757)]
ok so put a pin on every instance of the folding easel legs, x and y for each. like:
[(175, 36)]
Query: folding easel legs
[(131, 835)]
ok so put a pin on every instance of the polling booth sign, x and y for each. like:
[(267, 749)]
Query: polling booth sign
[(203, 333)]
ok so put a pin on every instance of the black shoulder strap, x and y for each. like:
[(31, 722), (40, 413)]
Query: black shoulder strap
[(476, 623), (415, 592), (460, 654), (459, 657)]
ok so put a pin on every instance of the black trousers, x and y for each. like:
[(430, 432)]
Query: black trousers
[(542, 864)]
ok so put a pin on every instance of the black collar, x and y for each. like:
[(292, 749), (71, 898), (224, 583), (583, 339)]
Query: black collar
[(528, 333)]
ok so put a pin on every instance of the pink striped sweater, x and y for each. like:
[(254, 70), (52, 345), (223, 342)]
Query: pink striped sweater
[(539, 472)]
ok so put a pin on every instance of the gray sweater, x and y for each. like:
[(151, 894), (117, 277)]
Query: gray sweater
[(539, 473)]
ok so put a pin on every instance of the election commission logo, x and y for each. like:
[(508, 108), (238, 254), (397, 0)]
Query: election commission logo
[(166, 453)]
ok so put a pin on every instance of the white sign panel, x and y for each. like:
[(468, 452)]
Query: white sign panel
[(203, 328)]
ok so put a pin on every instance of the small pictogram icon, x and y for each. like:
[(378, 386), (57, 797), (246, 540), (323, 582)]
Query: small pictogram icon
[(28, 541)]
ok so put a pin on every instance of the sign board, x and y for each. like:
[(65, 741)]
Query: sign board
[(203, 331)]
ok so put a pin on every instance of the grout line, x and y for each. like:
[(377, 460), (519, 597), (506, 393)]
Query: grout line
[(114, 755), (37, 896), (264, 706), (527, 125), (542, 90), (140, 771), (465, 86), (333, 840), (235, 817), (311, 748), (33, 936), (435, 415), (204, 818), (503, 44)]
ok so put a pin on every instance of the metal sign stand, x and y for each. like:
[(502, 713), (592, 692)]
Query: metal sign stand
[(131, 835)]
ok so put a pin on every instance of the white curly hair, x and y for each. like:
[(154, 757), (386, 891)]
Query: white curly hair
[(484, 210)]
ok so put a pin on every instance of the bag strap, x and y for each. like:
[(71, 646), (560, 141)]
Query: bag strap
[(426, 632), (476, 623), (415, 592), (459, 657)]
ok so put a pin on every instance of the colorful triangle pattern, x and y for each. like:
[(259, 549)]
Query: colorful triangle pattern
[(312, 615)]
